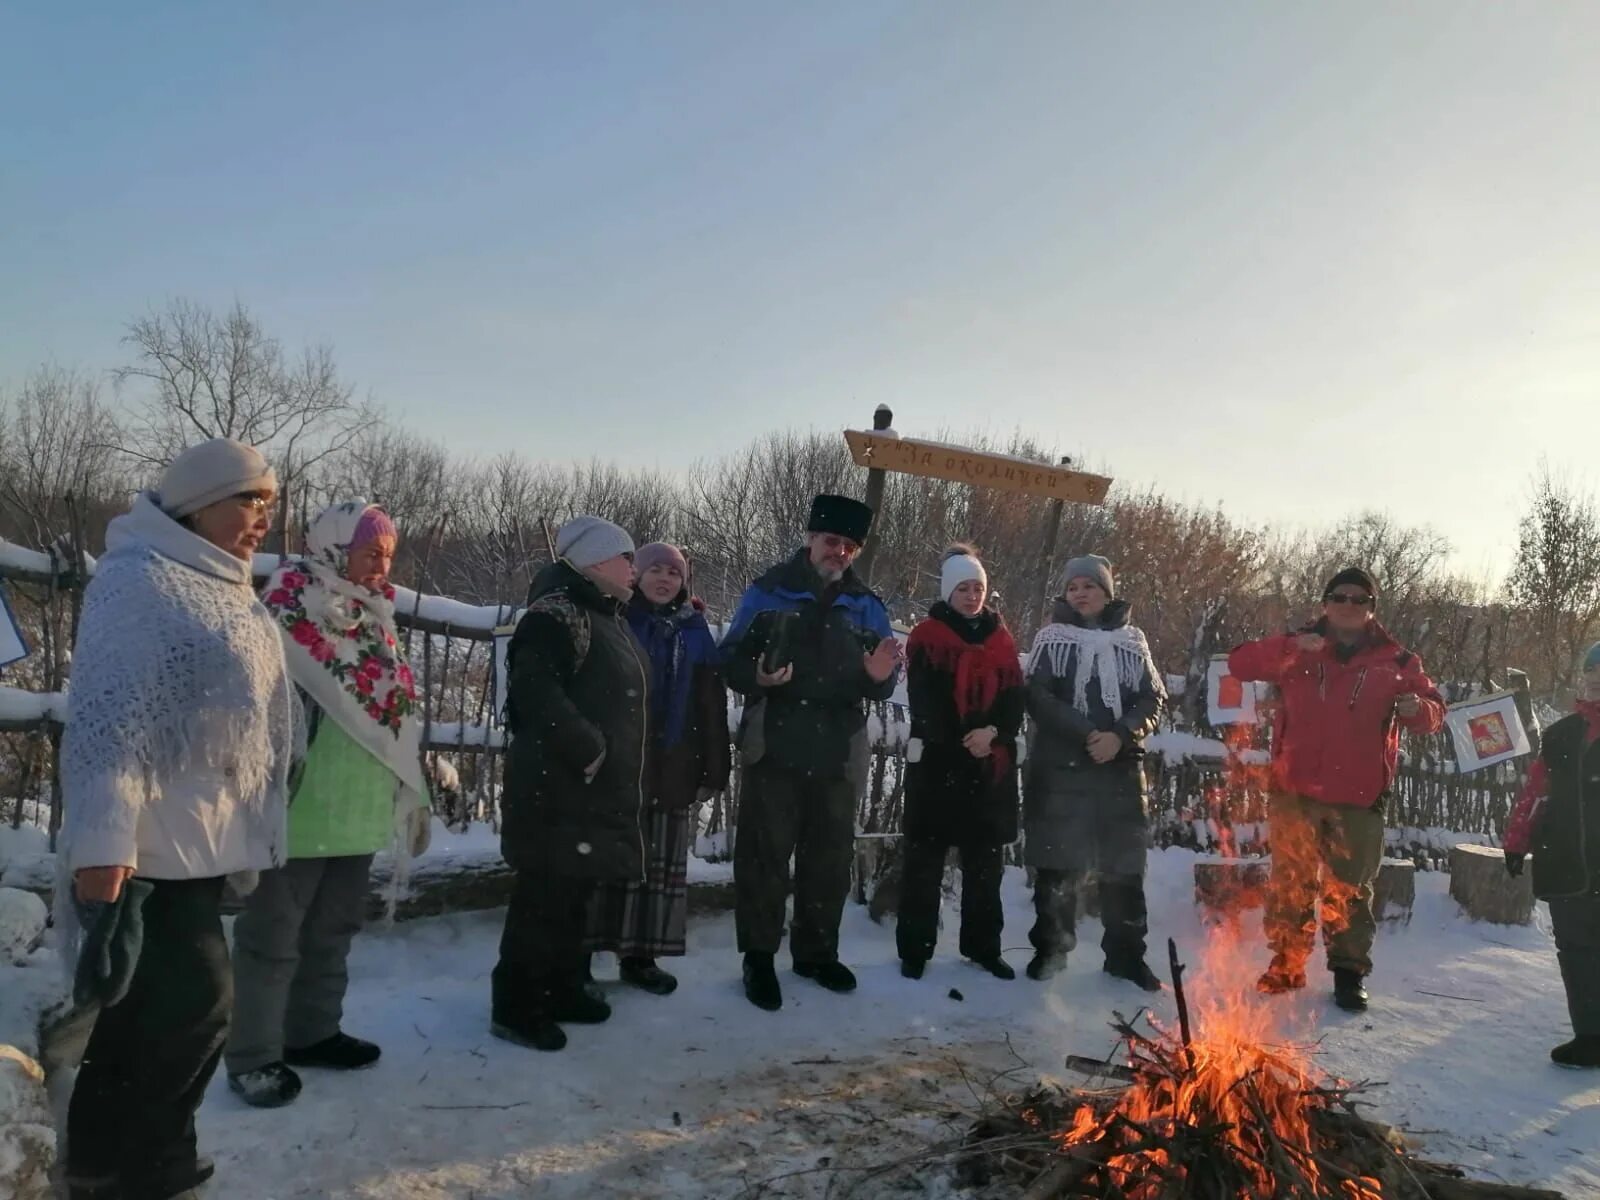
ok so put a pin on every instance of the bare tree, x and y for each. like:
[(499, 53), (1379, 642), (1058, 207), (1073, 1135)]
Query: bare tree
[(56, 438), (1555, 584), (203, 376)]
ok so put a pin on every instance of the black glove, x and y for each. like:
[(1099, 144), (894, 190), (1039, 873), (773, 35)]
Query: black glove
[(113, 935), (1514, 863)]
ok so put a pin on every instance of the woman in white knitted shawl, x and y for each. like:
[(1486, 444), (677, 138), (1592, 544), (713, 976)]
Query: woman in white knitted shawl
[(361, 791), (174, 767), (1093, 696)]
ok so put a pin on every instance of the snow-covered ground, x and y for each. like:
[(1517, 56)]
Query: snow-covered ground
[(700, 1095)]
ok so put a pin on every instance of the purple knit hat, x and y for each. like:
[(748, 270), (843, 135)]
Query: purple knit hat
[(374, 524), (657, 554)]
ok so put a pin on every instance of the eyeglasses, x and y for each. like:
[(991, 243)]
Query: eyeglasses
[(1347, 598), (842, 544), (256, 502)]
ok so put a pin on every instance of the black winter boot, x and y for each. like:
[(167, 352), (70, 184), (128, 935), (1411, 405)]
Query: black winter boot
[(644, 974), (912, 968), (761, 982), (1349, 993), (521, 1014), (341, 1052), (834, 976), (1046, 965), (997, 966), (170, 1182), (1135, 971), (271, 1086), (1581, 1051), (1281, 976), (579, 1006)]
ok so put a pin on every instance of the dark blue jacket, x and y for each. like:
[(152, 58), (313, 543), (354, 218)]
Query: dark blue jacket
[(809, 724)]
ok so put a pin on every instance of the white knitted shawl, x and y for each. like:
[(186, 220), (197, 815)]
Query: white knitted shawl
[(1120, 658), (177, 666)]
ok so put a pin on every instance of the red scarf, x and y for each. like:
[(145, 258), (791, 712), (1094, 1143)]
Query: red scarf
[(982, 670)]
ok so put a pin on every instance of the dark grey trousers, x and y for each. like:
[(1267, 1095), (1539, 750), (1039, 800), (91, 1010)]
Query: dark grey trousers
[(1122, 913), (290, 946), (813, 819), (1577, 928)]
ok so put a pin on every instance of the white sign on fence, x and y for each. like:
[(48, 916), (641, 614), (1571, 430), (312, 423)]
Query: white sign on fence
[(12, 647), (1229, 699), (1486, 731)]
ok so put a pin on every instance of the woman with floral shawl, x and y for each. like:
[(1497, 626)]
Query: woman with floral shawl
[(361, 790)]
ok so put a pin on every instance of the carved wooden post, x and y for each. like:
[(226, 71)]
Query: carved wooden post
[(882, 419), (1047, 552)]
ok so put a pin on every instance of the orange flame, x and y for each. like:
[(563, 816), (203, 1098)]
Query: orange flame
[(1241, 1080)]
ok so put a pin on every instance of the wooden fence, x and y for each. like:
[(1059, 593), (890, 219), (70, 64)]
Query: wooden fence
[(1198, 801)]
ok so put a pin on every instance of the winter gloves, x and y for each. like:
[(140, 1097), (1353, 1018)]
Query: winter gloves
[(112, 937), (1514, 863)]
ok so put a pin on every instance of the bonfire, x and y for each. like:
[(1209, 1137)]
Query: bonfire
[(1218, 1111), (1220, 1108)]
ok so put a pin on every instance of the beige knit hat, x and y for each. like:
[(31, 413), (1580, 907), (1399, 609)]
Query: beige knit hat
[(212, 471)]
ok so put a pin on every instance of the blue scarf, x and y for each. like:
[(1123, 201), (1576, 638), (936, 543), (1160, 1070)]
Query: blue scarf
[(677, 639)]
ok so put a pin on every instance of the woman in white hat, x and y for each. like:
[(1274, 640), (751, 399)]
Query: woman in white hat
[(964, 683), (175, 766)]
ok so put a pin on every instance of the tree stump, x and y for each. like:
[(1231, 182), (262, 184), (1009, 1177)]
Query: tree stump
[(1479, 883), (1226, 886), (1394, 892)]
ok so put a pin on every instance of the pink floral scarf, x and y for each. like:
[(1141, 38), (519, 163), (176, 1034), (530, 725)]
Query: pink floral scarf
[(340, 642)]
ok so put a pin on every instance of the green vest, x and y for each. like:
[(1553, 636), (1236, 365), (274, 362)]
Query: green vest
[(345, 802)]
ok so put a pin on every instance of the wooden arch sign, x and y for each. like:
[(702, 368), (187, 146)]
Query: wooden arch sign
[(934, 460)]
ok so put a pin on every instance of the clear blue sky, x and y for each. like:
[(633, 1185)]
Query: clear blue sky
[(1297, 258)]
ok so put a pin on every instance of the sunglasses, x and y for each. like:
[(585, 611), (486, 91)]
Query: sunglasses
[(1347, 598), (834, 542), (256, 502)]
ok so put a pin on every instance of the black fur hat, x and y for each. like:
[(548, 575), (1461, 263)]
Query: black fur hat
[(841, 515)]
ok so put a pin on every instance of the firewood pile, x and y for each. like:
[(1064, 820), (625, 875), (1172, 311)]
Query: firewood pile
[(1208, 1117)]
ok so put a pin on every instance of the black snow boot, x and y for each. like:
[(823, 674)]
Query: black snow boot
[(521, 1014), (341, 1052), (644, 974), (834, 976), (170, 1182), (1134, 970), (1281, 976), (1349, 993), (579, 1006), (92, 1187), (271, 1086), (1045, 965), (997, 966), (761, 982), (912, 968), (1581, 1051)]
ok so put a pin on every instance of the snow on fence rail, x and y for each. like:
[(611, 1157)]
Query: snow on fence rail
[(425, 613)]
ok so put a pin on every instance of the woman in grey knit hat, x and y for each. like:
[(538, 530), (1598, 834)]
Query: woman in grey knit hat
[(576, 698), (1094, 695)]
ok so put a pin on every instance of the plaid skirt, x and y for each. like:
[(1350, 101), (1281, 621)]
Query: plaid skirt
[(649, 919)]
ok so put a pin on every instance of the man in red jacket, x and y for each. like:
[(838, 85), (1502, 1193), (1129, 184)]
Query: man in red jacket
[(1346, 690)]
